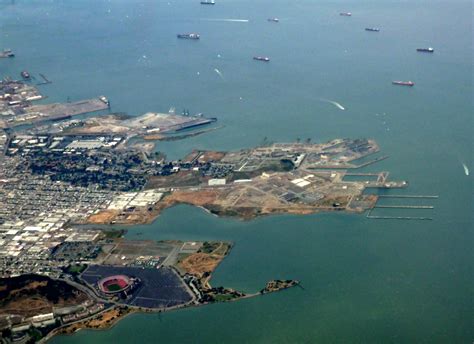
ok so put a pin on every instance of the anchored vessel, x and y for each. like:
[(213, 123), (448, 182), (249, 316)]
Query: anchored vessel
[(188, 35), (425, 50), (261, 58), (403, 83), (276, 20), (208, 2), (25, 75), (345, 14), (374, 29)]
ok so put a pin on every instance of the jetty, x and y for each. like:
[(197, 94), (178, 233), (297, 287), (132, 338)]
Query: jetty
[(402, 206)]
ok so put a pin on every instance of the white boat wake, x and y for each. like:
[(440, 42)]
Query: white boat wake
[(466, 169), (228, 20), (219, 73), (336, 104)]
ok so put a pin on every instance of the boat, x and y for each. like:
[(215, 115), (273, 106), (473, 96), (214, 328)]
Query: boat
[(104, 100), (373, 29), (188, 35), (25, 75), (7, 53), (345, 14), (403, 83), (425, 50), (261, 58), (275, 20), (208, 2)]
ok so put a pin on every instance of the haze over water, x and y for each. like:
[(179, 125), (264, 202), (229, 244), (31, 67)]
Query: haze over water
[(365, 281)]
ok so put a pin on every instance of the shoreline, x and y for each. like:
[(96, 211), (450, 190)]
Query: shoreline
[(139, 310)]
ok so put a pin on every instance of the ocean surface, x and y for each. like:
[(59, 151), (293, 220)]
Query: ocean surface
[(365, 281)]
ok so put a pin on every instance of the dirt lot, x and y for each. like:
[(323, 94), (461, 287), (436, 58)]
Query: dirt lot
[(103, 217), (201, 263)]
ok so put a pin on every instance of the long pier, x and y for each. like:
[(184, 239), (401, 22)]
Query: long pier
[(45, 80), (409, 196), (370, 162), (399, 218), (402, 206), (405, 206)]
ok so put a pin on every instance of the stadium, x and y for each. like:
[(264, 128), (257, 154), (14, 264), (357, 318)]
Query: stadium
[(114, 284)]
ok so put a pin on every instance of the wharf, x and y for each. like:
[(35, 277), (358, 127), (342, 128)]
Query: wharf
[(409, 196), (55, 112), (45, 80), (402, 206), (194, 123), (405, 206), (372, 217)]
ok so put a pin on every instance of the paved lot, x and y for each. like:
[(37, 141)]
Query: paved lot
[(160, 288)]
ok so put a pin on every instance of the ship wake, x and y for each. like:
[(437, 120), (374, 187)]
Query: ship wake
[(219, 73), (227, 20), (336, 104)]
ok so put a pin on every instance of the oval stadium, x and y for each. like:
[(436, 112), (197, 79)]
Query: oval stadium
[(114, 284)]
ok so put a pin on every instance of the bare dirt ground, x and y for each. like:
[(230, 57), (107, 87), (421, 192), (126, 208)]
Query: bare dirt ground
[(202, 264), (103, 217), (199, 263)]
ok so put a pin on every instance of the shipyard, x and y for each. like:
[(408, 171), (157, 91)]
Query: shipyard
[(153, 161)]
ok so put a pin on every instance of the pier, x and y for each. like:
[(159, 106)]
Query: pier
[(45, 80), (399, 218), (405, 206), (402, 206), (409, 196)]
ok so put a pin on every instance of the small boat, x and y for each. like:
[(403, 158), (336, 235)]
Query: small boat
[(345, 14), (104, 100), (261, 58), (425, 50), (403, 83), (275, 20), (208, 2), (25, 75), (7, 53), (373, 29), (188, 36)]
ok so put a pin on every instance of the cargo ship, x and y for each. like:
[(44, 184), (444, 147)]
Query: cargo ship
[(345, 14), (403, 83), (25, 75), (275, 20), (425, 50), (373, 29), (188, 35), (208, 2), (261, 58)]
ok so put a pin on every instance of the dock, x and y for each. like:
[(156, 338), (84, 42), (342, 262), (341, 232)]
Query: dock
[(402, 206), (409, 196), (54, 112), (399, 218), (45, 80)]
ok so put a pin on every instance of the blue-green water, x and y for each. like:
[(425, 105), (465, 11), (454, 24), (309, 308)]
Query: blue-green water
[(364, 281)]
